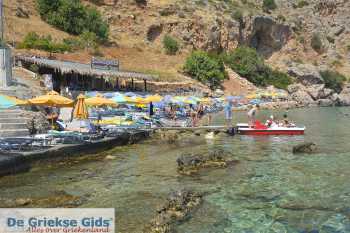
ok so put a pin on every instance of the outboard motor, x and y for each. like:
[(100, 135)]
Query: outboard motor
[(232, 131)]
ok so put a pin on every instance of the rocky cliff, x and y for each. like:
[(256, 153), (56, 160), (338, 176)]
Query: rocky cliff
[(283, 36)]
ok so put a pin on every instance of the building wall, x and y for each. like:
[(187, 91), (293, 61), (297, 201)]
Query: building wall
[(5, 67)]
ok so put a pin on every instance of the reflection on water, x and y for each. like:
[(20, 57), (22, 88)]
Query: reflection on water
[(269, 190)]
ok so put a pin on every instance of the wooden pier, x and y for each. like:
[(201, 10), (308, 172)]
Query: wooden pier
[(208, 128)]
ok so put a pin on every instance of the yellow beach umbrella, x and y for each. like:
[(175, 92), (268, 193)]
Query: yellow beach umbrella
[(137, 100), (51, 99), (252, 96), (80, 109), (99, 101), (206, 100), (20, 102), (17, 101), (153, 98)]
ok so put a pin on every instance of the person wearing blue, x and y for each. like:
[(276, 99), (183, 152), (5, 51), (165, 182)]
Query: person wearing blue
[(151, 109), (228, 113)]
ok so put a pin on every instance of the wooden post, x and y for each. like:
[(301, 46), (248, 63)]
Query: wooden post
[(145, 85), (117, 84), (132, 84)]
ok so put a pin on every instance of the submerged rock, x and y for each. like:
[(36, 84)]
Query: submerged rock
[(336, 223), (191, 163), (169, 136), (178, 206), (308, 147), (59, 199)]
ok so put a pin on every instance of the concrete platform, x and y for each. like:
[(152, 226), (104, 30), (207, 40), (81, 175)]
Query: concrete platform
[(210, 128), (13, 120), (14, 133), (11, 163), (4, 126)]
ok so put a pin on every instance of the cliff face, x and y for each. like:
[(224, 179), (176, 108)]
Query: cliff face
[(283, 36)]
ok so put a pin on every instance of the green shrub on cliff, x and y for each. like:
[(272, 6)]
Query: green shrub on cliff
[(301, 4), (269, 4), (249, 64), (333, 80), (171, 45), (73, 17), (316, 42), (205, 68), (33, 41)]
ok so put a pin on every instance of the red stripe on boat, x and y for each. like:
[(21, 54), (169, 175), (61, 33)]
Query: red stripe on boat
[(270, 132)]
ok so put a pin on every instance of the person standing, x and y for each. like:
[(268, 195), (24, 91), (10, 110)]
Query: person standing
[(200, 112), (228, 113), (193, 115), (209, 112), (252, 115), (151, 109)]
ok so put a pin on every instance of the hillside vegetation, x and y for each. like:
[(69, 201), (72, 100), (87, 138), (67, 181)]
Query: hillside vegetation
[(73, 17), (159, 36)]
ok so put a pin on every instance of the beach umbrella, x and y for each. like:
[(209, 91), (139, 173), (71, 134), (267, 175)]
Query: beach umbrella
[(109, 95), (229, 98), (130, 94), (121, 99), (255, 101), (206, 100), (90, 93), (80, 109), (20, 102), (137, 100), (178, 100), (233, 98), (191, 100), (51, 99), (99, 101), (5, 102), (9, 101), (153, 98), (167, 99), (159, 104), (252, 96)]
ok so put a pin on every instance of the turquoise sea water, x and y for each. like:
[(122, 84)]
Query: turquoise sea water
[(269, 190)]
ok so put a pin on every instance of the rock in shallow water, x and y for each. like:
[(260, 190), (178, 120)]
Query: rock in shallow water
[(179, 206), (336, 223), (308, 147), (191, 163)]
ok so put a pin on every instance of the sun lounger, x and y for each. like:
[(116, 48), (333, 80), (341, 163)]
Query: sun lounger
[(22, 144), (66, 137)]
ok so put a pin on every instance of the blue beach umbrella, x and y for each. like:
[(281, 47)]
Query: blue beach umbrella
[(109, 95), (191, 100), (119, 99), (167, 99), (6, 103), (255, 101), (179, 100), (160, 104), (130, 94), (91, 93), (231, 98)]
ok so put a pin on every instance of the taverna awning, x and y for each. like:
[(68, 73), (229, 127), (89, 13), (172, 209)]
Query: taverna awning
[(66, 67)]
